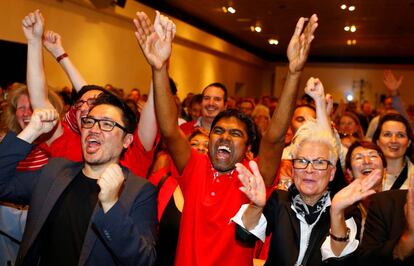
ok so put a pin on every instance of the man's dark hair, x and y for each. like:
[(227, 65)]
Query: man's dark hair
[(198, 98), (401, 119), (218, 85), (128, 117), (87, 88), (251, 128)]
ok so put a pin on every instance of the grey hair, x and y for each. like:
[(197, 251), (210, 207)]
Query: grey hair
[(311, 131)]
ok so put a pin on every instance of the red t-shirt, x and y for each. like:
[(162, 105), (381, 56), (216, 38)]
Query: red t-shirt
[(188, 127), (35, 160), (207, 237)]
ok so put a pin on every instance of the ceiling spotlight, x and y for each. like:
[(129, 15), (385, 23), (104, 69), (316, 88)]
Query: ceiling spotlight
[(350, 97), (349, 42), (353, 28), (351, 8), (231, 10), (273, 42), (343, 6), (255, 28), (353, 42), (347, 28), (224, 9)]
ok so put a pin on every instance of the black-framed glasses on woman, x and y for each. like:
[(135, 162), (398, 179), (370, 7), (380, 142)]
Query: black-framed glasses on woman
[(89, 102), (317, 164), (104, 124)]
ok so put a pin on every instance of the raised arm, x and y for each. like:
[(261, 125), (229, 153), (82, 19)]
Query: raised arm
[(314, 88), (359, 189), (273, 141), (36, 80), (147, 125), (155, 42), (53, 43)]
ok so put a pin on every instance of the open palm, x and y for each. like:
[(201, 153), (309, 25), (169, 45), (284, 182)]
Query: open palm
[(155, 40)]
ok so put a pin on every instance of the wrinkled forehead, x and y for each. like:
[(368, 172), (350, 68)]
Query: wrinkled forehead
[(231, 123)]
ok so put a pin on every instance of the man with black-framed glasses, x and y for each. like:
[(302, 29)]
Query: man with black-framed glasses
[(90, 213)]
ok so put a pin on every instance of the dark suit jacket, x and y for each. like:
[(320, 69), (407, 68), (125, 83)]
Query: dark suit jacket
[(125, 235), (284, 226), (383, 228)]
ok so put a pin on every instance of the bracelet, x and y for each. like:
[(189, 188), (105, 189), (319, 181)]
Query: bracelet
[(60, 57), (341, 239)]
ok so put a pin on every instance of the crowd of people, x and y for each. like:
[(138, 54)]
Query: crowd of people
[(90, 176)]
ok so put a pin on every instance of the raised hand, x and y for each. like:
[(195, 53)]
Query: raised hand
[(357, 190), (155, 40), (110, 183), (253, 184), (42, 121), (53, 43), (314, 89), (299, 45), (391, 82), (32, 25)]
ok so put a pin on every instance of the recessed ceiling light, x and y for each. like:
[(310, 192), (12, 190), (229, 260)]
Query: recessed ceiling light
[(351, 8), (231, 10), (348, 42), (224, 9), (353, 28), (353, 42), (257, 29), (346, 28), (343, 6), (273, 41)]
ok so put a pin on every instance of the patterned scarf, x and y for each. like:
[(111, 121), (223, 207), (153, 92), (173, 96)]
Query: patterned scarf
[(310, 213)]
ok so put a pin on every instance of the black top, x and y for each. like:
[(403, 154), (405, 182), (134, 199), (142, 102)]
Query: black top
[(65, 228), (168, 234)]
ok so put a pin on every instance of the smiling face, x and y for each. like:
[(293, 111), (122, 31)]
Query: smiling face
[(312, 183), (200, 143), (364, 161), (23, 110), (100, 147), (227, 145), (393, 140), (213, 102), (83, 110)]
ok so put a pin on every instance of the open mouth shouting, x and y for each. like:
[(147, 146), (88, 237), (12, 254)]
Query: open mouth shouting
[(92, 143)]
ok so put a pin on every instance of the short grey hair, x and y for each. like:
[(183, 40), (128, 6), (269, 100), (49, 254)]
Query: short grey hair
[(311, 131)]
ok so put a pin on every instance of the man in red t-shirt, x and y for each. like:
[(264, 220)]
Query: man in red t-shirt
[(65, 141), (213, 102), (209, 182)]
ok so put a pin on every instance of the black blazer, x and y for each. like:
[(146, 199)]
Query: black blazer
[(383, 228), (125, 235)]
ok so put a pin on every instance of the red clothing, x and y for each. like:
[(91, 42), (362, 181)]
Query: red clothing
[(188, 127), (68, 145), (207, 237), (35, 160)]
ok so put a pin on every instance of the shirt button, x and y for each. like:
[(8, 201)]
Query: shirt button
[(213, 194)]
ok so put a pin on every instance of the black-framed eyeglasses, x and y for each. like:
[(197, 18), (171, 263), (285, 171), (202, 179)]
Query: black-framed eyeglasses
[(317, 164), (104, 124), (89, 102)]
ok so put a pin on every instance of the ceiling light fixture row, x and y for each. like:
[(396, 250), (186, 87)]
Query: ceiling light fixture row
[(350, 8), (351, 42), (228, 9), (254, 28), (351, 28)]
